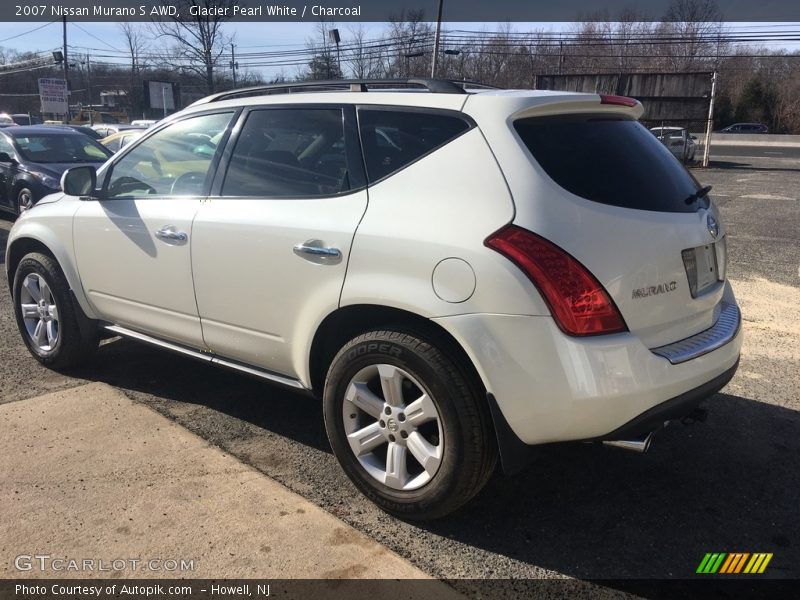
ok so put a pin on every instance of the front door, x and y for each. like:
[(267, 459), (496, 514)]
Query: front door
[(271, 244), (133, 246)]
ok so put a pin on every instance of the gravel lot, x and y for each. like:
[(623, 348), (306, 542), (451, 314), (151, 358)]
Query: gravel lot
[(730, 484)]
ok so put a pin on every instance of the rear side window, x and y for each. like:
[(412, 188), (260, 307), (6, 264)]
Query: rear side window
[(612, 161), (288, 153), (393, 139)]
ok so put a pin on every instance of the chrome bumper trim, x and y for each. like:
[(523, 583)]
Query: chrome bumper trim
[(722, 332)]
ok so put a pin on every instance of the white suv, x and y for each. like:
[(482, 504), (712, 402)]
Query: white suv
[(458, 273)]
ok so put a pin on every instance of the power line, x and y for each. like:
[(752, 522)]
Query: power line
[(95, 37), (13, 37)]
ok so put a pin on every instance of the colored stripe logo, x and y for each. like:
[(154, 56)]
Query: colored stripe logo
[(734, 563)]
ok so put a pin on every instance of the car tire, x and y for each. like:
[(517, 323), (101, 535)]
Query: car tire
[(24, 200), (53, 326), (420, 423)]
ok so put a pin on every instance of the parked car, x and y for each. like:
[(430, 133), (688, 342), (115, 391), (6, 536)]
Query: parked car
[(122, 138), (84, 129), (144, 122), (458, 275), (6, 120), (26, 119), (107, 129), (33, 158), (745, 128), (678, 141)]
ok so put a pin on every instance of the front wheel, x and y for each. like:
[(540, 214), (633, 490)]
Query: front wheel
[(48, 319), (409, 426)]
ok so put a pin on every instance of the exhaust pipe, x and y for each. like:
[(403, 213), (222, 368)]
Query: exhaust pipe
[(641, 445)]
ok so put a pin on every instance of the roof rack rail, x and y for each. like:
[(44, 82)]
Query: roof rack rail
[(436, 86)]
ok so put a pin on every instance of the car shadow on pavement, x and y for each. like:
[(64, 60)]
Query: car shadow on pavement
[(166, 380), (728, 485)]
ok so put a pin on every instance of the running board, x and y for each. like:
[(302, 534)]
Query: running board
[(205, 357)]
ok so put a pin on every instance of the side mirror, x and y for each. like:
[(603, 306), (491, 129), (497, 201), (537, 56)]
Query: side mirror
[(79, 181), (5, 157), (694, 137)]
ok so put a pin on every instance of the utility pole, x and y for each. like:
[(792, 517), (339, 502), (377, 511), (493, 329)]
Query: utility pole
[(234, 64), (710, 124), (89, 86), (66, 69), (336, 38), (436, 39)]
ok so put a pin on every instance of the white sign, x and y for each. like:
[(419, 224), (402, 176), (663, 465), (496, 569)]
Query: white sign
[(161, 95), (54, 96)]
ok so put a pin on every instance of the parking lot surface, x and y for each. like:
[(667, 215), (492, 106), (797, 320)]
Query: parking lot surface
[(730, 484)]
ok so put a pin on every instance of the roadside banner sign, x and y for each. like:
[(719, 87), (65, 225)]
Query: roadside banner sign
[(53, 95)]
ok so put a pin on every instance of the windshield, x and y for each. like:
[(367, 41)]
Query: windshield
[(49, 148)]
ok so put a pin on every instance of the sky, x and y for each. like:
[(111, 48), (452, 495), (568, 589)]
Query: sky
[(95, 38)]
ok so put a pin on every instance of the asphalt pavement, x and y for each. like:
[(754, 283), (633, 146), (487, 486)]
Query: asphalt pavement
[(584, 511)]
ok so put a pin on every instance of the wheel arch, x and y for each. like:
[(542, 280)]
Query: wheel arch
[(26, 242), (347, 322)]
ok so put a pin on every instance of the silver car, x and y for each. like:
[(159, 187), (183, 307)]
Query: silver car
[(678, 141)]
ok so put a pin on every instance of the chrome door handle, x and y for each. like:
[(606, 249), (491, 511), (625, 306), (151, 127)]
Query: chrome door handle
[(314, 251), (170, 234)]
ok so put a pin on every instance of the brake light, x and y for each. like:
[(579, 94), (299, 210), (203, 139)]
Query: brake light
[(577, 301), (620, 100)]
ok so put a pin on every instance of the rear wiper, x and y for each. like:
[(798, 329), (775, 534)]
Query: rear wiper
[(703, 191)]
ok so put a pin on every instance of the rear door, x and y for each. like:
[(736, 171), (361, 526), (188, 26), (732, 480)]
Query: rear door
[(271, 244)]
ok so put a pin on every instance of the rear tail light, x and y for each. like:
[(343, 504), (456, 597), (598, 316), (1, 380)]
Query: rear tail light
[(620, 100), (577, 301)]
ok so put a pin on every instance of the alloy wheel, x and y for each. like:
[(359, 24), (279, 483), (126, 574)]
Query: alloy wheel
[(39, 312), (393, 427)]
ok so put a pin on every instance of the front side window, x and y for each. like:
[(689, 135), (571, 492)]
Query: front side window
[(173, 162), (287, 152), (394, 139)]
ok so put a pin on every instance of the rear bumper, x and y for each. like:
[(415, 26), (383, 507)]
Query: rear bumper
[(549, 387), (674, 408)]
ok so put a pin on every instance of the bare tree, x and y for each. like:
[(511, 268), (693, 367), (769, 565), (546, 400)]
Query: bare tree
[(412, 38), (691, 27), (364, 60), (135, 43), (197, 42), (324, 63)]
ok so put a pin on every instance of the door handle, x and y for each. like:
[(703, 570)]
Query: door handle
[(171, 235), (314, 251)]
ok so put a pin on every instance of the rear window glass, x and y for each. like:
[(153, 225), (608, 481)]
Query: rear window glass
[(612, 161), (394, 139)]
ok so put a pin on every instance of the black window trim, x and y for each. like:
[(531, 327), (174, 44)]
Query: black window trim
[(470, 122), (213, 165), (356, 169)]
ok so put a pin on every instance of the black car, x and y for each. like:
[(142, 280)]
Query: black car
[(32, 160), (745, 128), (84, 129)]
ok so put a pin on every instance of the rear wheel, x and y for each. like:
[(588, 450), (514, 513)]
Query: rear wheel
[(46, 315), (408, 426)]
